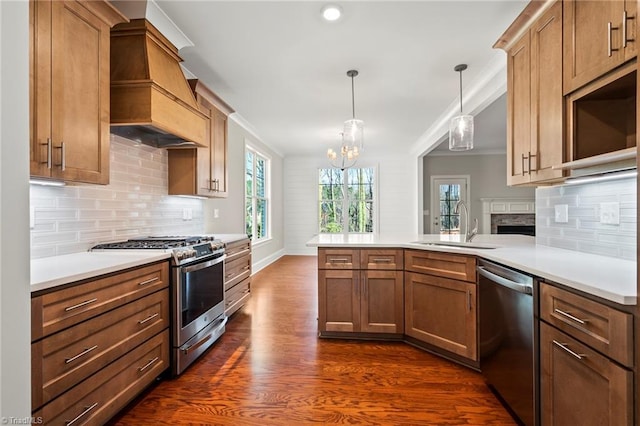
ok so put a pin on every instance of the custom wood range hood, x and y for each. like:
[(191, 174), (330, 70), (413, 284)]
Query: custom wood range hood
[(151, 101)]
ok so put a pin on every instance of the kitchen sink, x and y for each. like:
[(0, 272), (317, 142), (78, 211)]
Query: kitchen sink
[(470, 245)]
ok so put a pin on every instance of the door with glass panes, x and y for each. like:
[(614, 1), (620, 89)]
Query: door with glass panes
[(446, 191)]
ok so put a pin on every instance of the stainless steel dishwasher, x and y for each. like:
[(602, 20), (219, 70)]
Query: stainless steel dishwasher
[(508, 338)]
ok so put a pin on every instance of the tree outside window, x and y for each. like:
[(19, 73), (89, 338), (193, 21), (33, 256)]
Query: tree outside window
[(346, 200), (256, 195)]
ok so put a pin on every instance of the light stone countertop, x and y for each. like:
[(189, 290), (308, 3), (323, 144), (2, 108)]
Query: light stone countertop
[(606, 277)]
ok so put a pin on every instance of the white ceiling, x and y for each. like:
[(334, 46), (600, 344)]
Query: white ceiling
[(283, 68)]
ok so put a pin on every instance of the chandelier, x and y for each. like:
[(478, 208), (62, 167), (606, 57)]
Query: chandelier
[(351, 138)]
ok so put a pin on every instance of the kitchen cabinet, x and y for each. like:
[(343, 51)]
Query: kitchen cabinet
[(535, 105), (582, 342), (441, 302), (203, 171), (598, 36), (360, 291), (96, 344), (237, 275), (69, 89)]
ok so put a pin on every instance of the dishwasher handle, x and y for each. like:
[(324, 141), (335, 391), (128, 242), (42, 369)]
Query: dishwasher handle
[(520, 288)]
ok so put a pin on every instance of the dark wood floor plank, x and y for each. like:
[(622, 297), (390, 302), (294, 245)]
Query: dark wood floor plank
[(270, 368)]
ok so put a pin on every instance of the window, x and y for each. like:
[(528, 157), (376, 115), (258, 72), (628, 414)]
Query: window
[(346, 200), (256, 195), (446, 191)]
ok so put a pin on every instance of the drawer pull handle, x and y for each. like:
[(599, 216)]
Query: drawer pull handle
[(79, 416), (564, 346), (229, 275), (147, 365), (80, 305), (571, 317), (152, 280), (147, 319), (338, 260), (382, 260), (81, 354), (246, 268)]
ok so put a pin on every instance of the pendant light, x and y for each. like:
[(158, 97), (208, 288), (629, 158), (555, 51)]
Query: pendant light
[(461, 126), (351, 138)]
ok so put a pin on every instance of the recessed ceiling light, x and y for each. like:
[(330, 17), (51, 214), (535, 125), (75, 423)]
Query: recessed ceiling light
[(331, 12)]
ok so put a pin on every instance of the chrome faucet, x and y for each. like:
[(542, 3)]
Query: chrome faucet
[(468, 235)]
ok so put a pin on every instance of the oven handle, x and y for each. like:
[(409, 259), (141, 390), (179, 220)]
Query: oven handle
[(520, 288), (202, 265), (219, 324)]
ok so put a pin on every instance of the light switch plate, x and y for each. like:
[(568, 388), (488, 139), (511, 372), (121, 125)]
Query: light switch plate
[(216, 213), (562, 213), (610, 213), (32, 217), (187, 214)]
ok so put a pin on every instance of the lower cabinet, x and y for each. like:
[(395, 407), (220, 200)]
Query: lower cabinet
[(442, 312), (237, 275), (360, 300)]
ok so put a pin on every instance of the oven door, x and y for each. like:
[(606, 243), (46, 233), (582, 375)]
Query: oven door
[(198, 291)]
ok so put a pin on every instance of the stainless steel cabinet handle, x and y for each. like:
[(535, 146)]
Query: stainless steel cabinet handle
[(381, 260), (79, 416), (338, 260), (80, 305), (49, 153), (63, 161), (524, 171), (610, 48), (469, 300), (147, 365), (571, 317), (625, 18), (532, 155), (147, 319), (564, 346), (152, 280), (81, 354)]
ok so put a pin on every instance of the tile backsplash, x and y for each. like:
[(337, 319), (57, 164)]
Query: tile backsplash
[(584, 230), (75, 217)]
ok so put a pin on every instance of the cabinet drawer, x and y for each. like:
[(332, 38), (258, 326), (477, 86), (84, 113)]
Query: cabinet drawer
[(60, 309), (64, 359), (109, 390), (338, 258), (603, 328), (237, 249), (457, 267), (236, 270), (578, 386), (237, 296), (387, 259)]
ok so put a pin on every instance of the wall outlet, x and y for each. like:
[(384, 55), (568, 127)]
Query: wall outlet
[(562, 213), (610, 213), (216, 213), (187, 214)]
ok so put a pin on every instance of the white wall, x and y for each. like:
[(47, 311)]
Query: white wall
[(397, 183), (488, 179), (231, 210), (15, 320)]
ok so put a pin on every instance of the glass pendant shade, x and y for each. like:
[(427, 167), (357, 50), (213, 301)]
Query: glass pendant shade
[(345, 156), (461, 133), (354, 133)]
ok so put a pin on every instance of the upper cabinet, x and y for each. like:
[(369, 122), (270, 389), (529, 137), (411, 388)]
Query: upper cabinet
[(598, 37), (203, 171), (535, 106), (69, 89)]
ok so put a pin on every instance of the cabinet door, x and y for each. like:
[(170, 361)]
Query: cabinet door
[(382, 303), (339, 300), (547, 147), (592, 38), (518, 111), (442, 312), (579, 386), (219, 153), (79, 94)]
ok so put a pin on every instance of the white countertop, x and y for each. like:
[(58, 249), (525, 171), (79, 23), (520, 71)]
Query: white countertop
[(229, 238), (52, 271), (606, 277)]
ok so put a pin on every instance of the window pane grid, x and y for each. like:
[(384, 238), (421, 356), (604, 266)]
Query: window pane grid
[(257, 201), (346, 200)]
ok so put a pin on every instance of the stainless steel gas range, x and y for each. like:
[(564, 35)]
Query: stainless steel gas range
[(196, 288)]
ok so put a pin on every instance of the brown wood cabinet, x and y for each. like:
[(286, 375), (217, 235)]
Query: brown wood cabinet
[(360, 291), (104, 339), (237, 278), (598, 37), (535, 105), (203, 171), (441, 311), (581, 386), (69, 89)]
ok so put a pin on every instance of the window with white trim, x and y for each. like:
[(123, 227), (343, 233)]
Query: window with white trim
[(346, 200), (257, 190)]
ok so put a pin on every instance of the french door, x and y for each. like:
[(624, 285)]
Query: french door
[(446, 191)]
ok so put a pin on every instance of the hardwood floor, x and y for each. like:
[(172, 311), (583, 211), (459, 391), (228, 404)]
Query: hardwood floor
[(270, 368)]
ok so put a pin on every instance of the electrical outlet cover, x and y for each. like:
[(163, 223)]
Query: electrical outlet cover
[(610, 213), (562, 213)]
